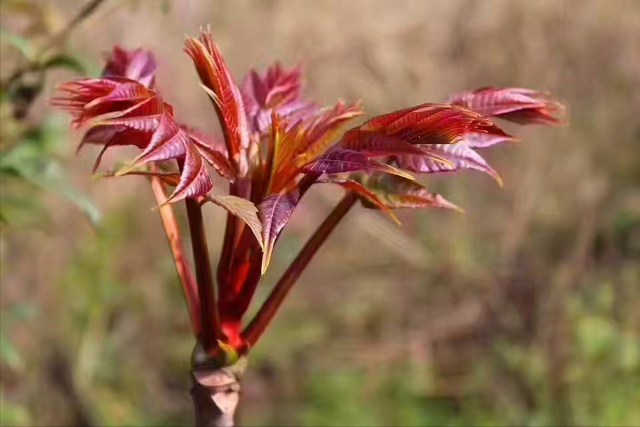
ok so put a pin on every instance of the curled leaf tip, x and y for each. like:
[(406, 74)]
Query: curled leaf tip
[(101, 175), (395, 219), (125, 169), (266, 259), (498, 179)]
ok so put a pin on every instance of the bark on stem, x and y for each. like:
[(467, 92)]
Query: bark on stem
[(216, 393), (260, 322)]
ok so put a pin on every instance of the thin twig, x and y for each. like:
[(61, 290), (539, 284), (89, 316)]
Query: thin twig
[(54, 40)]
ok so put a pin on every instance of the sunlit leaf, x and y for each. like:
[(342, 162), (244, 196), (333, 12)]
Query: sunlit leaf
[(292, 147), (460, 155), (366, 194), (428, 124), (244, 210), (213, 153), (275, 212), (519, 105), (110, 136), (195, 180), (216, 77), (340, 160), (484, 140), (397, 192), (124, 112)]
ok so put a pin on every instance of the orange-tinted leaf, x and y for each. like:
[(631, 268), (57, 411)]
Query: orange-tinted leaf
[(322, 129), (292, 147), (524, 106), (216, 77), (275, 212), (366, 194), (244, 210), (340, 160)]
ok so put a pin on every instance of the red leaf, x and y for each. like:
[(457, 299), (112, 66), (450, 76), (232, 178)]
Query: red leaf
[(110, 136), (203, 138), (429, 124), (126, 113), (167, 142), (217, 79), (278, 90), (74, 96), (213, 150), (243, 209), (374, 144), (524, 106), (195, 180), (322, 129), (399, 193), (275, 212), (138, 64), (292, 147), (340, 160), (216, 159), (461, 156), (366, 194), (484, 140)]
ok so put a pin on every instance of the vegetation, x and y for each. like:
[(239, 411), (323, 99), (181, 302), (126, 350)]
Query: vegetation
[(274, 146)]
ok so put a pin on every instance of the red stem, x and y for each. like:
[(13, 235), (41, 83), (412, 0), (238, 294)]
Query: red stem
[(232, 239), (172, 231), (211, 331), (249, 262), (258, 325)]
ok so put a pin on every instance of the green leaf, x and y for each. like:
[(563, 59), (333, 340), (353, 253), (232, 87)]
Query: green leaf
[(9, 353), (23, 44), (29, 162), (12, 414), (65, 61)]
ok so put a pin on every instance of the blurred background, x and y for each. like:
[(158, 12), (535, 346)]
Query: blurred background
[(524, 311)]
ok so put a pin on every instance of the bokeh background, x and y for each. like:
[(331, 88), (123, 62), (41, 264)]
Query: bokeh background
[(523, 311)]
